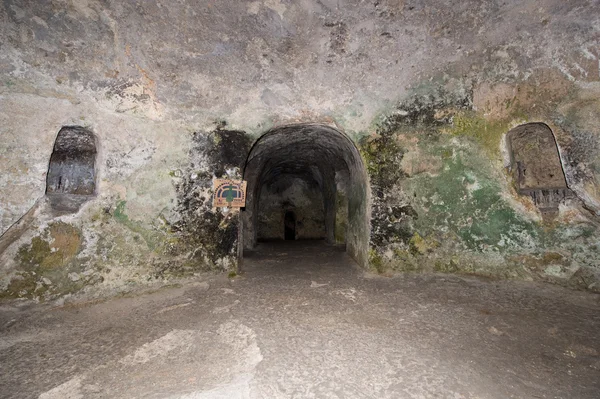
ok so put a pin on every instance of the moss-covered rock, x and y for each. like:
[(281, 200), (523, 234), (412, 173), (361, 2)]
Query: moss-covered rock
[(49, 265), (55, 248)]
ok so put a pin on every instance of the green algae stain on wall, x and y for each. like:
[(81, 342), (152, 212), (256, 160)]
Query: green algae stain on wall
[(441, 173), (381, 155), (119, 213), (153, 238), (487, 134), (463, 199)]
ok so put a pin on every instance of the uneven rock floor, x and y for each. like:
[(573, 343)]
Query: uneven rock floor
[(305, 322)]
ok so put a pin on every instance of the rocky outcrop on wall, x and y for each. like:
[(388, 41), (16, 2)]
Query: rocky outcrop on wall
[(120, 238), (209, 235), (157, 225), (445, 200)]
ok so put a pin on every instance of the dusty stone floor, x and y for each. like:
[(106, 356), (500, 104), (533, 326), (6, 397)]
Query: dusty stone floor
[(304, 322)]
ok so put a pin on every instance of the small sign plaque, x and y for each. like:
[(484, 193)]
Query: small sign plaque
[(230, 193)]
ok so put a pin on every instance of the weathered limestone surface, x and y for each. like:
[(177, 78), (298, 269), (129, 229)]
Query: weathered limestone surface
[(428, 89)]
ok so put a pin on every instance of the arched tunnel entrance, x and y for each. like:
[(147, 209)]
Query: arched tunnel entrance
[(309, 178)]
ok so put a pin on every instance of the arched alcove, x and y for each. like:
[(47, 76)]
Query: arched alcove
[(315, 169), (536, 166), (71, 178)]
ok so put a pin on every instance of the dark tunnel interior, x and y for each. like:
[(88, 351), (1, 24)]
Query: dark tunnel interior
[(306, 182)]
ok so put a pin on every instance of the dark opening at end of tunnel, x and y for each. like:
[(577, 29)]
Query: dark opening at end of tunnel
[(290, 226), (306, 182)]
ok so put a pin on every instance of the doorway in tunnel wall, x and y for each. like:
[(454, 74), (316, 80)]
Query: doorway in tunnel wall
[(286, 196), (310, 180), (289, 226)]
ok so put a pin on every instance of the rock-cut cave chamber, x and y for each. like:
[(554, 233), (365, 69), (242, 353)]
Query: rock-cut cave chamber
[(421, 177), (305, 182)]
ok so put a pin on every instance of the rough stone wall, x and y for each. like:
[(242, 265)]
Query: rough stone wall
[(342, 181), (427, 88), (445, 201), (121, 233), (206, 235)]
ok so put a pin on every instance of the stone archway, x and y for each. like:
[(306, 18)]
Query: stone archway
[(325, 168)]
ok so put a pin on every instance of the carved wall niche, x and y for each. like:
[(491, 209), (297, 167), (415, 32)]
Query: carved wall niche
[(536, 167), (71, 178)]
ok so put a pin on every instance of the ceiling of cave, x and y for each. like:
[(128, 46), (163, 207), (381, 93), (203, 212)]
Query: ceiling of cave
[(312, 153), (247, 61)]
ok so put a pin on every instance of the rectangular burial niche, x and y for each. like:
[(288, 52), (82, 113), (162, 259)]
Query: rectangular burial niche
[(536, 167), (71, 178)]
